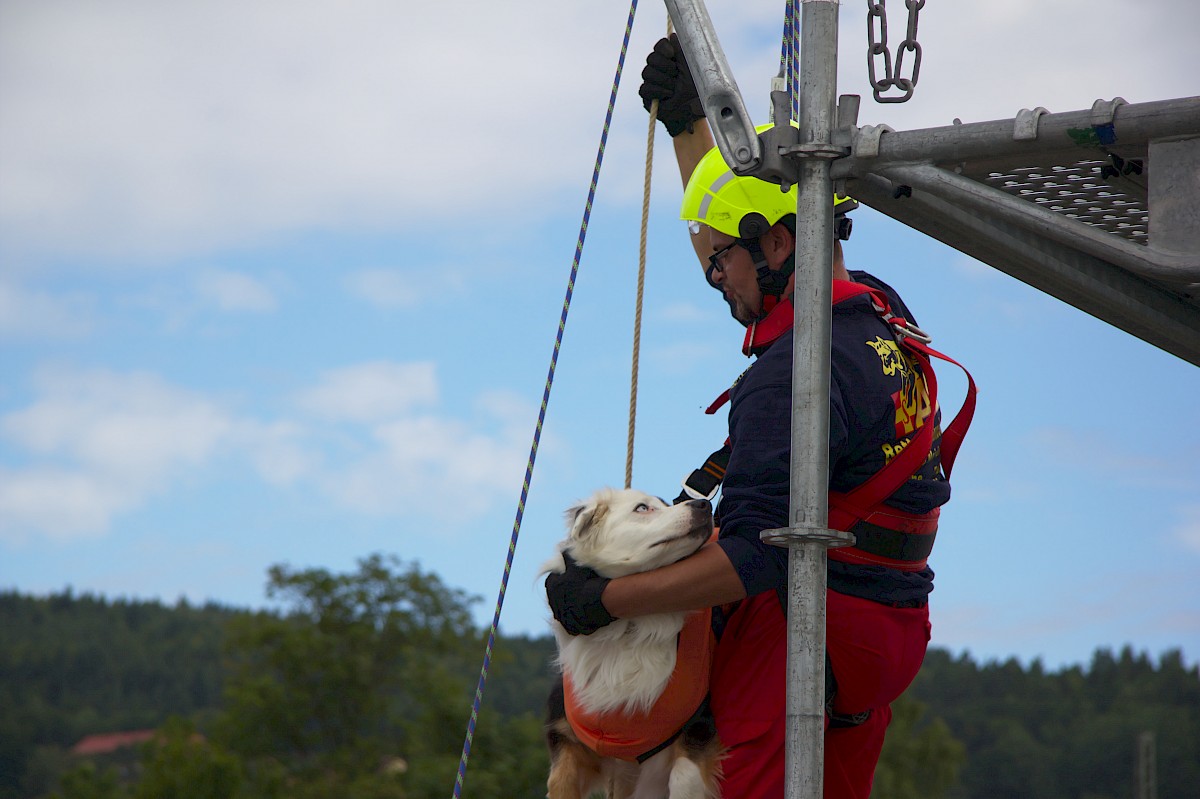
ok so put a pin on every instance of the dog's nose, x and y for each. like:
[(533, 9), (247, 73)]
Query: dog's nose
[(700, 503)]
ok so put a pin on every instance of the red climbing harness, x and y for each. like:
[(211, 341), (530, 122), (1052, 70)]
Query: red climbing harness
[(884, 536)]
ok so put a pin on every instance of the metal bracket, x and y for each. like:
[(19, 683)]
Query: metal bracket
[(780, 138), (728, 119), (847, 122), (788, 536), (826, 151), (1025, 127), (866, 142), (1104, 114)]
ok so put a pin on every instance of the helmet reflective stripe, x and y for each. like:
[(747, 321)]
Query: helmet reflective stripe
[(716, 186)]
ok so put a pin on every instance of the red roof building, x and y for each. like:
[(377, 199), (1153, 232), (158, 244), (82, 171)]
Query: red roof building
[(105, 743)]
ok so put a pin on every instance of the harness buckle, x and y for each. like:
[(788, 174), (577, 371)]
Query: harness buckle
[(899, 324), (694, 494), (903, 328)]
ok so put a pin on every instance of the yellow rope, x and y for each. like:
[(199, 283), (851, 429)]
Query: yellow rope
[(641, 285)]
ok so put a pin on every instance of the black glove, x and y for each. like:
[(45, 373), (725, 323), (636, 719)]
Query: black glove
[(668, 79), (574, 598)]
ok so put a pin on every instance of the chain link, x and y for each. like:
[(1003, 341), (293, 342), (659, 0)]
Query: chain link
[(877, 47)]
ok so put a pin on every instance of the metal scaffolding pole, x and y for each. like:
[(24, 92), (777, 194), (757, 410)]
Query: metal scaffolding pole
[(809, 537), (802, 156)]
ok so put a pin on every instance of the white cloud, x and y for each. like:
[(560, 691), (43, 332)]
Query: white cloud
[(280, 451), (98, 443), (144, 128), (62, 504), (134, 128), (409, 287), (233, 291), (372, 392), (28, 312), (428, 463), (131, 424)]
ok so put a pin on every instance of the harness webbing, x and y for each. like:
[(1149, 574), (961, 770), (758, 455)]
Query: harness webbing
[(537, 433), (848, 511), (901, 538)]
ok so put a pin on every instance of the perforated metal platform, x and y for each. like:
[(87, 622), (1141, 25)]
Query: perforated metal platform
[(1095, 207), (1094, 192)]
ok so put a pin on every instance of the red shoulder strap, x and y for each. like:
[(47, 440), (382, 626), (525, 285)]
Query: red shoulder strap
[(845, 289), (858, 503), (847, 509)]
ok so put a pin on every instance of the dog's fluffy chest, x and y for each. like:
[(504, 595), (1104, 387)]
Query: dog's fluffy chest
[(625, 666)]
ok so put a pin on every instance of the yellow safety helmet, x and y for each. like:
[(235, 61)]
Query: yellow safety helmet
[(743, 207)]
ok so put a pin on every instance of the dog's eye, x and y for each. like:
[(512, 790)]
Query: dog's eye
[(642, 508)]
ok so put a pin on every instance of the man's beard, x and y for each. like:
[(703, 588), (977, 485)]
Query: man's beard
[(745, 317)]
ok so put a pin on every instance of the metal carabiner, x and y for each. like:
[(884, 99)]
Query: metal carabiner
[(903, 328)]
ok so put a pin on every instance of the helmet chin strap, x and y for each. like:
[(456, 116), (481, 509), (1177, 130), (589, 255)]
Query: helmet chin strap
[(772, 283)]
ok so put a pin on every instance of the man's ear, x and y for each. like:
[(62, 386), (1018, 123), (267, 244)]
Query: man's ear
[(778, 244)]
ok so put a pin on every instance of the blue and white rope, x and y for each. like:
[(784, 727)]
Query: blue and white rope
[(537, 433), (789, 54)]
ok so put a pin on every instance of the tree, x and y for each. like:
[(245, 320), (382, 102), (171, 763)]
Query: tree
[(362, 687), (88, 782), (181, 764), (77, 664), (920, 760)]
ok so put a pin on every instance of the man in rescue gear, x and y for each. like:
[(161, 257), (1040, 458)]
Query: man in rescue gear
[(882, 405)]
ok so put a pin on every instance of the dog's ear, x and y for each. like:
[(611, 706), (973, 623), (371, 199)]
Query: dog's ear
[(579, 518), (584, 517)]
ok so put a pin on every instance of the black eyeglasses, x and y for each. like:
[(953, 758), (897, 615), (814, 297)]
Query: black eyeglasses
[(714, 261), (715, 267)]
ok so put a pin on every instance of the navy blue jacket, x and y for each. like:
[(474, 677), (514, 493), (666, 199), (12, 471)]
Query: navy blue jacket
[(876, 399)]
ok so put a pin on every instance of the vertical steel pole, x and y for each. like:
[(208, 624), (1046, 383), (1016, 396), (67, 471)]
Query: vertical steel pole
[(807, 536), (809, 490)]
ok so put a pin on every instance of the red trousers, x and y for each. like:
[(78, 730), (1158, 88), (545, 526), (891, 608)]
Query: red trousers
[(876, 652)]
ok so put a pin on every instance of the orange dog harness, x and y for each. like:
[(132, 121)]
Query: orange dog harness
[(636, 736)]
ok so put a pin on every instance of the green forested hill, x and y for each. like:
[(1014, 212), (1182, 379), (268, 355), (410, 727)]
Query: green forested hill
[(379, 667), (73, 665), (1070, 733)]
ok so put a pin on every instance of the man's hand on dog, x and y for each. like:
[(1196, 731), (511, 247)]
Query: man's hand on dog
[(574, 598)]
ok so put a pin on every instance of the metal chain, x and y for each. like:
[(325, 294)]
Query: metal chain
[(878, 46)]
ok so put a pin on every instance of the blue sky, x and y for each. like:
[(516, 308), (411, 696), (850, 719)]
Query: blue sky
[(280, 283)]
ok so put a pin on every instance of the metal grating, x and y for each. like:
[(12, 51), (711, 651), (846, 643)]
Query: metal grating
[(1085, 191), (1063, 202)]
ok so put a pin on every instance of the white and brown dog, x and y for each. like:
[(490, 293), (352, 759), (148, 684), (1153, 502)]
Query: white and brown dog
[(626, 680)]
